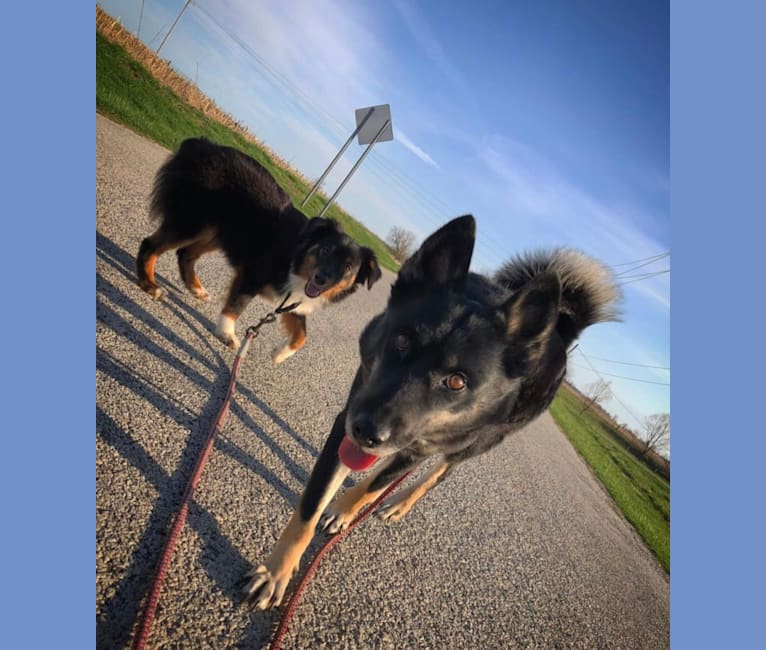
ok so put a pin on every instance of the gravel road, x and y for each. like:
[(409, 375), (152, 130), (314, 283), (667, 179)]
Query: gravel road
[(520, 548)]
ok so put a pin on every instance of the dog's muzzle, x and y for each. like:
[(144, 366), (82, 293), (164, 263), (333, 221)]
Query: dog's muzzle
[(366, 433)]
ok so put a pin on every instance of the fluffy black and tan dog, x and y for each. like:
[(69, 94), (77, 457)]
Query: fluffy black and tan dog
[(454, 364), (210, 197)]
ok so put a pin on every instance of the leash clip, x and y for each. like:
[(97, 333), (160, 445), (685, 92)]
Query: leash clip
[(252, 331), (282, 309)]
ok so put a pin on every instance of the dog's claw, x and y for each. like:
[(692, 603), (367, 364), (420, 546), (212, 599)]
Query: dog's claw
[(334, 522), (262, 590), (265, 589), (326, 520), (389, 513)]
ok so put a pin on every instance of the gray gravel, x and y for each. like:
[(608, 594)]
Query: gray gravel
[(520, 548)]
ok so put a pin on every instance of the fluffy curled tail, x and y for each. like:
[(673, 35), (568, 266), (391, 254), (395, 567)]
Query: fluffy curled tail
[(589, 293)]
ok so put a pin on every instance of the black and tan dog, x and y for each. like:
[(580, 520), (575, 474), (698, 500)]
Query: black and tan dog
[(454, 364), (210, 197)]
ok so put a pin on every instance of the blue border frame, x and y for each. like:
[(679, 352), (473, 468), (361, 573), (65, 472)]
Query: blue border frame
[(718, 105), (48, 475)]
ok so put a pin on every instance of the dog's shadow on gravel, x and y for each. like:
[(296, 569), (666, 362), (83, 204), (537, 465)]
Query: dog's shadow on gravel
[(220, 559)]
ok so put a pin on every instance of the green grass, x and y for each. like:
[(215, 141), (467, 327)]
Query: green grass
[(127, 93), (641, 494)]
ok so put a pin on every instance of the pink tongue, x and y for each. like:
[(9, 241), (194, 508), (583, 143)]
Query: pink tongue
[(312, 290), (353, 457)]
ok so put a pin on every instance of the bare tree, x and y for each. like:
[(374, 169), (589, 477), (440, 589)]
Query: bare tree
[(401, 242), (657, 433), (597, 392)]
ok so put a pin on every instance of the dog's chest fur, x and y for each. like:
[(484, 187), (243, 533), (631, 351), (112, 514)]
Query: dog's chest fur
[(295, 287)]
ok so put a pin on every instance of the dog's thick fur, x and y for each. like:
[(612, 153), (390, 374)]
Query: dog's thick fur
[(454, 364), (207, 197)]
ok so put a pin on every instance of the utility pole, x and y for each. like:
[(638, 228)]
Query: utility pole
[(140, 16), (188, 2)]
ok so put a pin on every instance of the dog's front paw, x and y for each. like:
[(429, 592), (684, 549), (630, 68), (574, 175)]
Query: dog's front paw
[(266, 588), (224, 331), (229, 340), (391, 512), (334, 521), (281, 353)]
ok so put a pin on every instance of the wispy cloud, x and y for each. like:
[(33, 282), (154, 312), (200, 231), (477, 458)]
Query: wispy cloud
[(532, 189), (411, 146)]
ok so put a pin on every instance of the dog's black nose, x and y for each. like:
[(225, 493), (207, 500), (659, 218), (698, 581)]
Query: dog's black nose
[(320, 278), (367, 433)]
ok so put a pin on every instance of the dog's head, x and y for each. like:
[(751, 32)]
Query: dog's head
[(448, 354), (330, 263)]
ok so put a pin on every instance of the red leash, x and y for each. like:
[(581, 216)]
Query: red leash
[(139, 642), (151, 607), (276, 643)]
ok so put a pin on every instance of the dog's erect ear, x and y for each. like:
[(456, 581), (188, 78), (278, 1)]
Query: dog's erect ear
[(443, 257), (369, 269), (533, 310)]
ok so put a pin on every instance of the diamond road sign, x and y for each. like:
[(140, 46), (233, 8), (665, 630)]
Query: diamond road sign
[(377, 119)]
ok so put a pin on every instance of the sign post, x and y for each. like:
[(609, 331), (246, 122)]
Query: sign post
[(373, 124)]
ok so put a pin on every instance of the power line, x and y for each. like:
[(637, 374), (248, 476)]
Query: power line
[(641, 276), (643, 381), (646, 263), (645, 259), (627, 363), (646, 276), (614, 396)]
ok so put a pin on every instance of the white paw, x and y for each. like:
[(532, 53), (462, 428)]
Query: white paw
[(201, 294), (156, 293), (265, 589), (282, 353), (225, 332), (228, 339)]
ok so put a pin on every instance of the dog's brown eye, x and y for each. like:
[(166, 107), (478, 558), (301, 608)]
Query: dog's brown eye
[(324, 251), (456, 381), (402, 343), (348, 267)]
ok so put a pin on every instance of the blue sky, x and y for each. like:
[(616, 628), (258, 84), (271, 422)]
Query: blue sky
[(548, 121)]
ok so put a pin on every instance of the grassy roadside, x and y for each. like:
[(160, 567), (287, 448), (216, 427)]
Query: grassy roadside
[(127, 93), (641, 494)]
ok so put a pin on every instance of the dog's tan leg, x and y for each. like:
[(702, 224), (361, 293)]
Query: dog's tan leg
[(188, 256), (148, 254), (267, 583), (346, 507), (295, 325), (400, 504), (236, 302)]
